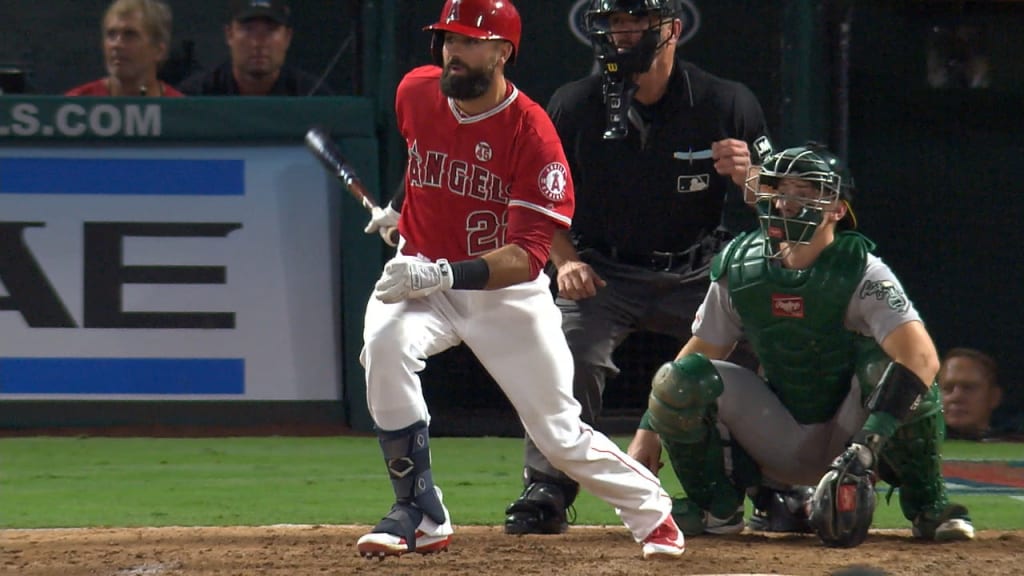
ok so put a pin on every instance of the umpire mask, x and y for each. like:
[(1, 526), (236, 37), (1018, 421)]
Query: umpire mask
[(628, 56), (792, 190)]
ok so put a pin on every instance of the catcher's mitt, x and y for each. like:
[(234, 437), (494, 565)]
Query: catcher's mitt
[(844, 501)]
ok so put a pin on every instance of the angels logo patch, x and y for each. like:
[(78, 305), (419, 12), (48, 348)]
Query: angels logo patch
[(785, 306), (553, 180)]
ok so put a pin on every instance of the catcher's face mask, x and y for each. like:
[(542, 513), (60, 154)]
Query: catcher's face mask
[(791, 200)]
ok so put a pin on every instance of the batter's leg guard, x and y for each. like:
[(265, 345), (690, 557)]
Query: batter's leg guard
[(912, 460), (682, 409), (407, 455)]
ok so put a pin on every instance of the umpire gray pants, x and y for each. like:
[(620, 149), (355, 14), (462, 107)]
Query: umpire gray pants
[(635, 299)]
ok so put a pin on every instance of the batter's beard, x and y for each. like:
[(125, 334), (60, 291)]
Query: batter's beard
[(473, 84)]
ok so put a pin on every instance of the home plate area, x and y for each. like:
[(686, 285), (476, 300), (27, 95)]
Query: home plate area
[(484, 550)]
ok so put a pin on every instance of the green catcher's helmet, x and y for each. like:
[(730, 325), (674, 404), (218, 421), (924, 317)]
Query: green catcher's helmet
[(793, 189)]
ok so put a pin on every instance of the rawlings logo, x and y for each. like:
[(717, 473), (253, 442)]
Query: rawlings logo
[(785, 306), (846, 498), (885, 290), (552, 181)]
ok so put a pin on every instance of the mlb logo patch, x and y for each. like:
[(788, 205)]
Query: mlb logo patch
[(763, 146), (693, 183), (785, 306)]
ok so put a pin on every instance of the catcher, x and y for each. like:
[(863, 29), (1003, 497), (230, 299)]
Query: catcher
[(848, 394)]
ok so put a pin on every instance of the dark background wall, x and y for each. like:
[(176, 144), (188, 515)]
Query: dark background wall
[(939, 169), (942, 171), (58, 41)]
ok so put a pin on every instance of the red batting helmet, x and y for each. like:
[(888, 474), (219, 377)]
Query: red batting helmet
[(481, 19)]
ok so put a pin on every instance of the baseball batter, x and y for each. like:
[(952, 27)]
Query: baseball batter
[(846, 360), (486, 187)]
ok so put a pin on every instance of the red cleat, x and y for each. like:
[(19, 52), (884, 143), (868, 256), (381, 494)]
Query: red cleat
[(666, 542)]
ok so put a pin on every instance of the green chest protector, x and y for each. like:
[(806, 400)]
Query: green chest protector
[(794, 320)]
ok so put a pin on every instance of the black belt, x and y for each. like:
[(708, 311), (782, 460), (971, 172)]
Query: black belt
[(655, 260)]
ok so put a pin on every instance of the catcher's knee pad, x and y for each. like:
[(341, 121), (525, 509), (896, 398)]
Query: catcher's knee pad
[(407, 455), (683, 394)]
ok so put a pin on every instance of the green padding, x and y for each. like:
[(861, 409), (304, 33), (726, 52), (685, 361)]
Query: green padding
[(681, 394), (912, 461)]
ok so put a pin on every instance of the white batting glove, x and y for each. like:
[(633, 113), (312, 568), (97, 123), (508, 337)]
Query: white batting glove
[(406, 277), (383, 221)]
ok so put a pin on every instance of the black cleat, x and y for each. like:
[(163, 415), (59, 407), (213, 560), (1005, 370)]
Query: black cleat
[(781, 510), (539, 510)]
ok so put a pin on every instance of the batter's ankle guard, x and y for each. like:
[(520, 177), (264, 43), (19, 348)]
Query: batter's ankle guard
[(407, 455), (402, 520)]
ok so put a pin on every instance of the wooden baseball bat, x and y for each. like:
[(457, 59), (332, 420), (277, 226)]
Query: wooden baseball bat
[(326, 151)]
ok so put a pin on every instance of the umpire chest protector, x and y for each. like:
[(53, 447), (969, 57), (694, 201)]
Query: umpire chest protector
[(794, 319)]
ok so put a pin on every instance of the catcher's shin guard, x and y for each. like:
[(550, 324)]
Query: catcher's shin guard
[(682, 409), (912, 461), (407, 455), (700, 467)]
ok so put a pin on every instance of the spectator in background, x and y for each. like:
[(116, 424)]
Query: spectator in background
[(970, 393), (258, 36), (136, 36)]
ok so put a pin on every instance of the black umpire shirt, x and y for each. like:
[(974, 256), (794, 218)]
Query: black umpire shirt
[(221, 82), (656, 189)]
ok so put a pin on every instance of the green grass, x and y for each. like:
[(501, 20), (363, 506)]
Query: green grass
[(54, 482)]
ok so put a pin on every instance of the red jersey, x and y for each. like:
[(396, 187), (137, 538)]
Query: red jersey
[(102, 88), (475, 183)]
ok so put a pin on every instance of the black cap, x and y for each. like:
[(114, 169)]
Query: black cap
[(276, 10)]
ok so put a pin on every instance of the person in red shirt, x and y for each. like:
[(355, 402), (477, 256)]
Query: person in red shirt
[(486, 187), (136, 37)]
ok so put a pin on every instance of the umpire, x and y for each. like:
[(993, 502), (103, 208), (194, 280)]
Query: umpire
[(658, 151)]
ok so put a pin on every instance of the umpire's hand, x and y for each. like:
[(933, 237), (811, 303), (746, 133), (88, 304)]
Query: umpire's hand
[(577, 280), (732, 159)]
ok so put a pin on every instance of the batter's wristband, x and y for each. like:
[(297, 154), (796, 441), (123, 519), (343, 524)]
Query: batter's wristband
[(470, 274)]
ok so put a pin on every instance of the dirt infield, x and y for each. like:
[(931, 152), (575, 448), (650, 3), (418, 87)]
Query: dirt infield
[(477, 551)]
